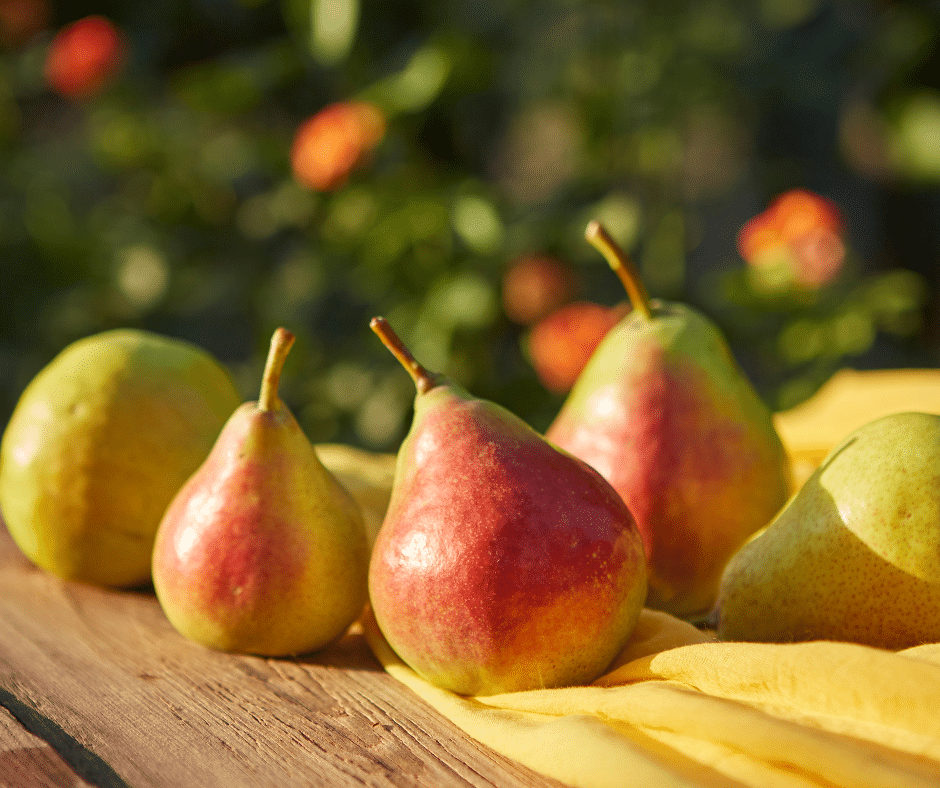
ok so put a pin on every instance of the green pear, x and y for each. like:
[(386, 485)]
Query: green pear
[(503, 564), (855, 555), (663, 411), (262, 550), (99, 442)]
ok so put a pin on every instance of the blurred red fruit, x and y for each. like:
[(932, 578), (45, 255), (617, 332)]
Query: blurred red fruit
[(797, 240), (560, 345), (534, 286), (21, 19), (329, 145), (84, 56)]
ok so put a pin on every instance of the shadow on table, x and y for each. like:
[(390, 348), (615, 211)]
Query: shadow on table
[(351, 652)]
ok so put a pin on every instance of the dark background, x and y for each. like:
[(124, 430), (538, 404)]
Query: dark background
[(166, 200)]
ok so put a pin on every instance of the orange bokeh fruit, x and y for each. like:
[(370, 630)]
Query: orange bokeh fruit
[(800, 236), (535, 285), (332, 143), (561, 344), (84, 56)]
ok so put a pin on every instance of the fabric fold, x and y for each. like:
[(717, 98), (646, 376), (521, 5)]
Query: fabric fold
[(678, 709)]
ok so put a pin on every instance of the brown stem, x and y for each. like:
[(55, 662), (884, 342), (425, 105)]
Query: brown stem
[(622, 265), (424, 380), (281, 343)]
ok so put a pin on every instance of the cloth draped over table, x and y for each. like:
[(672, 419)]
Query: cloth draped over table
[(678, 709)]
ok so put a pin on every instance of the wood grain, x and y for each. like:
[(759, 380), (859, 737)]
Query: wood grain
[(100, 690)]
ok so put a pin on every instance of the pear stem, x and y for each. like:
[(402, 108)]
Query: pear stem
[(281, 342), (622, 265), (424, 380)]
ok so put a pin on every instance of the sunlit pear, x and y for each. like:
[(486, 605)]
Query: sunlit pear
[(98, 445), (503, 564), (664, 412), (855, 555), (262, 551)]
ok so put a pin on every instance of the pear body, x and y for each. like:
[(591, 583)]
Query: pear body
[(665, 414), (855, 555), (503, 564), (99, 442), (262, 551)]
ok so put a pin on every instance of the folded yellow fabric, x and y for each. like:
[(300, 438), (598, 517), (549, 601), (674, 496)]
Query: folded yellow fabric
[(847, 401), (678, 709)]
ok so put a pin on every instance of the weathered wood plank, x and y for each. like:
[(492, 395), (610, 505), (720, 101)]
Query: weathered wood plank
[(28, 761), (122, 692)]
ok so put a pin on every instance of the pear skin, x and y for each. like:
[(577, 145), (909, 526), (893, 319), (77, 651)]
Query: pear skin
[(665, 414), (503, 564), (99, 443), (855, 555), (262, 551)]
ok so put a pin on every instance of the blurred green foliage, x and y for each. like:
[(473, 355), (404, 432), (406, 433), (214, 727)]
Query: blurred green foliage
[(167, 201)]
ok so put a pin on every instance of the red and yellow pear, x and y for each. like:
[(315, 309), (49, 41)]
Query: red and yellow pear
[(664, 412), (262, 551), (503, 563)]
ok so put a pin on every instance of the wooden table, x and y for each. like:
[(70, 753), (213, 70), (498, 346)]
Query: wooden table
[(97, 689)]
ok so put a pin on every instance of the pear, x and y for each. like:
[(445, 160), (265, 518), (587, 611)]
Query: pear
[(503, 564), (99, 442), (262, 551), (663, 411), (855, 555)]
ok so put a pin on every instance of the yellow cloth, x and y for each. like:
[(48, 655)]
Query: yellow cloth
[(678, 709), (848, 400), (681, 710)]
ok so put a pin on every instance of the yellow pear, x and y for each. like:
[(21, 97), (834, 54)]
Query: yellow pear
[(855, 554), (98, 445)]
